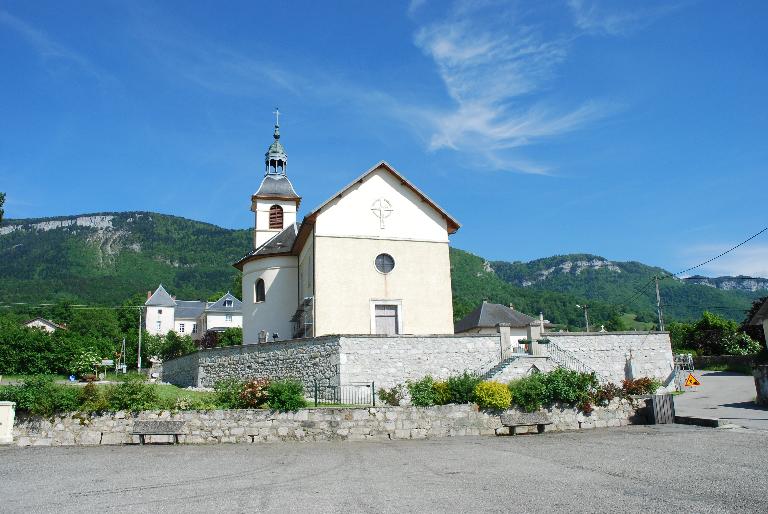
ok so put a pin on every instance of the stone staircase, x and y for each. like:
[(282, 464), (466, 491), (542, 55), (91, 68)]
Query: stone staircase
[(516, 365)]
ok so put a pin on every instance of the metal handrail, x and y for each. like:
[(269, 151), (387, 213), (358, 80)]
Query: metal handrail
[(568, 360)]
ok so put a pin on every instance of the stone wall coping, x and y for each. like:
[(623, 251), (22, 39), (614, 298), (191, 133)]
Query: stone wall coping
[(7, 404), (333, 337), (627, 333)]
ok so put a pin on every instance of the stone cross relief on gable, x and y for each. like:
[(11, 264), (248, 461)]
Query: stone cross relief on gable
[(382, 209)]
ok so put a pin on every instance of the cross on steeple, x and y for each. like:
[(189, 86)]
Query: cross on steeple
[(276, 112)]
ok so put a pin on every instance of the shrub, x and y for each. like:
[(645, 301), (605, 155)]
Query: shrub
[(462, 387), (191, 403), (442, 393), (603, 395), (558, 386), (492, 395), (254, 393), (93, 399), (640, 386), (392, 396), (740, 344), (227, 393), (38, 395), (529, 393), (423, 392), (568, 386), (286, 395), (85, 362), (134, 395)]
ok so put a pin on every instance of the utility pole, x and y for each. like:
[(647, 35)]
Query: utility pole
[(586, 316), (658, 305), (139, 359)]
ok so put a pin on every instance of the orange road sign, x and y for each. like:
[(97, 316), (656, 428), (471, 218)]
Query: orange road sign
[(691, 381)]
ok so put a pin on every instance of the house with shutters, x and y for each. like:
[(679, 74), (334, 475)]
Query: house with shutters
[(164, 313), (372, 259)]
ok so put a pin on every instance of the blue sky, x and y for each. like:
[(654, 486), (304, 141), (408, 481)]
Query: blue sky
[(635, 131)]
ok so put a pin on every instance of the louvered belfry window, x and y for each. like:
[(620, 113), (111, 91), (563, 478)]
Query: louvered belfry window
[(276, 217)]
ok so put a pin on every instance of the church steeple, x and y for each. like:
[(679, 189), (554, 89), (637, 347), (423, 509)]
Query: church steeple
[(276, 160), (275, 202)]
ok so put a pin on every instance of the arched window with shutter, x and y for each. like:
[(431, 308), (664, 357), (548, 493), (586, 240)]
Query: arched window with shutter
[(276, 217), (260, 295)]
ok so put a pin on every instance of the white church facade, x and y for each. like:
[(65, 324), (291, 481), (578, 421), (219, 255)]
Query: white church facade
[(372, 259)]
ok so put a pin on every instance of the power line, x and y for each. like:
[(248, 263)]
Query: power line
[(750, 238)]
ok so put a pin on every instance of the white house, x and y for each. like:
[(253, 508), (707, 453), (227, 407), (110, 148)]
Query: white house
[(190, 317), (43, 324), (372, 259)]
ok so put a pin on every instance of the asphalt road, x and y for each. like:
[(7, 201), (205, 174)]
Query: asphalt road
[(724, 395), (632, 469)]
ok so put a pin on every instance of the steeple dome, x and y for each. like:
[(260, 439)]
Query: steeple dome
[(276, 159)]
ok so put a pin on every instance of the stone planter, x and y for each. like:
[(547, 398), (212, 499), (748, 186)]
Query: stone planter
[(761, 383), (7, 414)]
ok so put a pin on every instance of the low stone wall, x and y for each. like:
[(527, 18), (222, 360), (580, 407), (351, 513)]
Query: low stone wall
[(608, 353), (305, 360), (257, 426), (705, 361), (392, 360)]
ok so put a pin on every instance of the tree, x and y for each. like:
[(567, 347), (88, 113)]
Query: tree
[(175, 345), (2, 202), (231, 337), (754, 331), (615, 324)]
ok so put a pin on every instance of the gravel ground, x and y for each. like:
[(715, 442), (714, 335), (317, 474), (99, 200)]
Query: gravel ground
[(631, 469)]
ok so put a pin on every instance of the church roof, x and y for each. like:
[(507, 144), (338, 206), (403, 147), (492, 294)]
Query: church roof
[(281, 243), (453, 225), (276, 186), (488, 315), (218, 306), (160, 298)]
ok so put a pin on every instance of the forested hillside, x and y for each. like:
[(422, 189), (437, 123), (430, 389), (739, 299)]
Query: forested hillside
[(104, 259), (626, 285)]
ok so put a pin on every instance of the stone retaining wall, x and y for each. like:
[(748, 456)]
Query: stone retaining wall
[(608, 353), (392, 360), (256, 426), (704, 361), (305, 360)]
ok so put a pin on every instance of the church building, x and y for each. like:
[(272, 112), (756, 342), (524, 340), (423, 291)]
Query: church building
[(372, 259)]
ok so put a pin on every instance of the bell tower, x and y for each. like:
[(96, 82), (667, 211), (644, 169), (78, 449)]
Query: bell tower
[(275, 203)]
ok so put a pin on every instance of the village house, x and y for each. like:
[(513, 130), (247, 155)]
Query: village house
[(190, 317)]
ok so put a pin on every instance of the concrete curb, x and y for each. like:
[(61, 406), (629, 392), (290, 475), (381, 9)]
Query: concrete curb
[(699, 421)]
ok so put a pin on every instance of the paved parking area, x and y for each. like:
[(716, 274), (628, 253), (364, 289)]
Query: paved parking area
[(632, 469), (724, 395)]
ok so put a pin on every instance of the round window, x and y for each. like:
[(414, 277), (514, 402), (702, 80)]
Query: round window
[(385, 263)]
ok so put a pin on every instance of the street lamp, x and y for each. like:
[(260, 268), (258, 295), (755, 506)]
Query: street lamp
[(586, 316)]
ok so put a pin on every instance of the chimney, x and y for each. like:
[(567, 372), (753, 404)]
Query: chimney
[(149, 295), (511, 306)]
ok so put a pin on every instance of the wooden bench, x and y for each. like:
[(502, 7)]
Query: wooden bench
[(512, 420), (158, 427)]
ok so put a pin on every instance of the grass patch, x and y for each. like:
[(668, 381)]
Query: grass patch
[(630, 320)]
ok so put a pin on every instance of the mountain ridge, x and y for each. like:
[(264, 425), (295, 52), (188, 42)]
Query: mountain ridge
[(104, 257)]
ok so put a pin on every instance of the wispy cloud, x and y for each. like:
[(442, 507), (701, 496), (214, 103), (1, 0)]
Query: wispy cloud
[(50, 50), (495, 63), (601, 17)]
